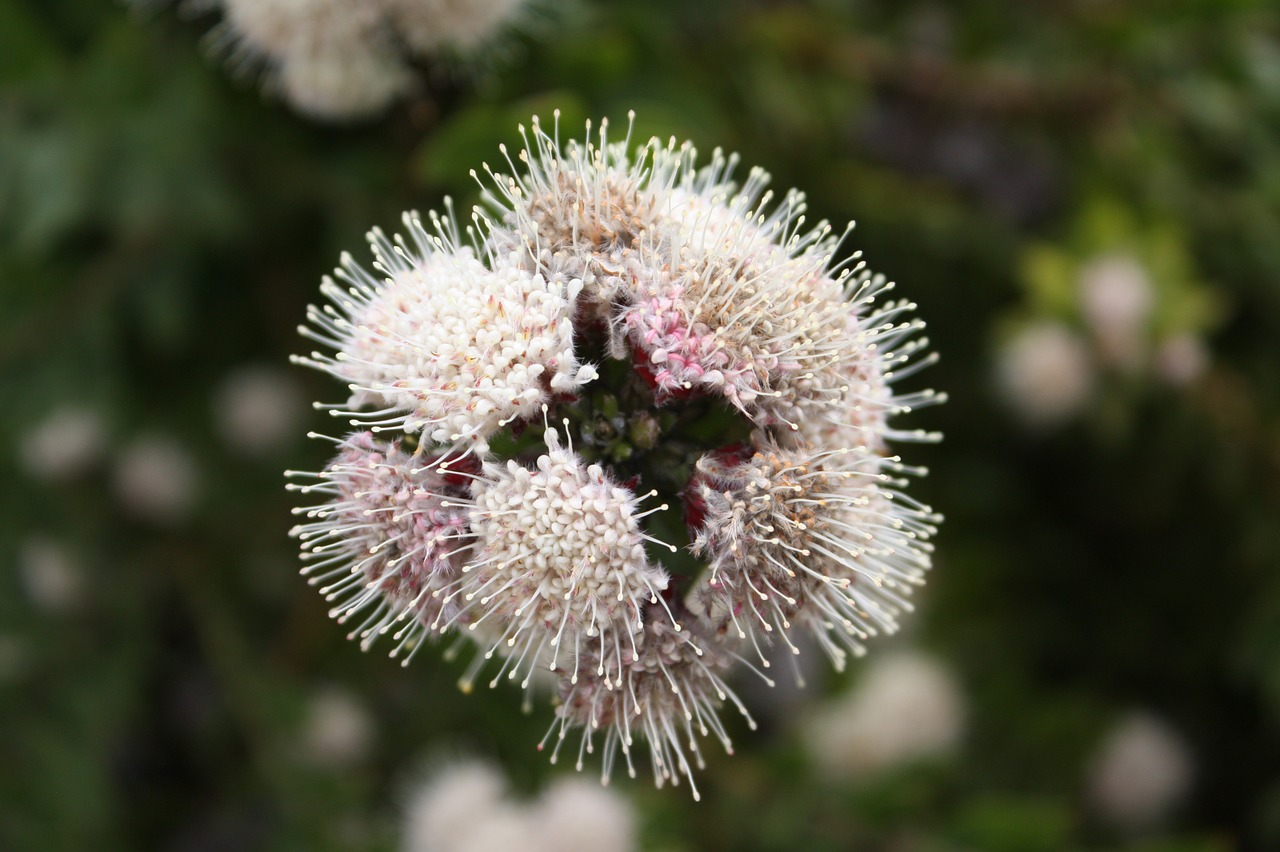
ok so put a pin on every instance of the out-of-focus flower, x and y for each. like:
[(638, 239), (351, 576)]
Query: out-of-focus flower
[(337, 731), (64, 444), (576, 816), (441, 811), (619, 326), (53, 578), (1140, 774), (465, 807), (156, 479), (429, 26), (1045, 373), (339, 60), (258, 410), (907, 707), (1182, 359), (1116, 299)]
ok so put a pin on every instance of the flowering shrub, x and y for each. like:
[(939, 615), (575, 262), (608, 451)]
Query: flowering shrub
[(629, 426)]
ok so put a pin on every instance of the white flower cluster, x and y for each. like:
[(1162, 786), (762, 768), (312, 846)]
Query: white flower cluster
[(718, 472), (341, 59), (1049, 370)]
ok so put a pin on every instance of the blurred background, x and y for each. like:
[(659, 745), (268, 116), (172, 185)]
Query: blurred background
[(1082, 196)]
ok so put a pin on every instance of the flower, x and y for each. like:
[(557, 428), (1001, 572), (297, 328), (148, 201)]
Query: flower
[(62, 445), (429, 26), (257, 410), (820, 538), (1116, 300), (51, 574), (907, 707), (337, 731), (1140, 774), (339, 60), (569, 816), (558, 555), (636, 424), (446, 344), (387, 540), (1045, 373), (156, 479)]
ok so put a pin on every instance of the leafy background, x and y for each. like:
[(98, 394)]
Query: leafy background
[(163, 225)]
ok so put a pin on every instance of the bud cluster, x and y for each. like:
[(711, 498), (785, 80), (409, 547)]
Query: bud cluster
[(630, 427)]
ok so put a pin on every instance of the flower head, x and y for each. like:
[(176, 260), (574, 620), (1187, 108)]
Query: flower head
[(622, 326), (446, 344)]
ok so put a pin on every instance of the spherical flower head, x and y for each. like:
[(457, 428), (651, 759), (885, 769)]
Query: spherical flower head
[(446, 345), (559, 559), (690, 342), (443, 808), (385, 542), (818, 538), (578, 816)]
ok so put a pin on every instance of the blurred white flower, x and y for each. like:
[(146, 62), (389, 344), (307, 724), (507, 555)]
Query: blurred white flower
[(465, 807), (339, 82), (460, 25), (258, 410), (907, 707), (51, 574), (62, 445), (156, 479), (1182, 359), (1116, 298), (444, 808), (1045, 373), (338, 730), (1140, 774), (574, 815)]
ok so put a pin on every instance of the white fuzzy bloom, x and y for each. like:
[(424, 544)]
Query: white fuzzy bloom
[(156, 479), (821, 539), (1045, 373), (906, 707), (1182, 359), (559, 554), (385, 543), (62, 445), (429, 26), (446, 345), (258, 410), (733, 344), (1116, 298), (1141, 773), (708, 288), (51, 574), (668, 690), (338, 730)]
